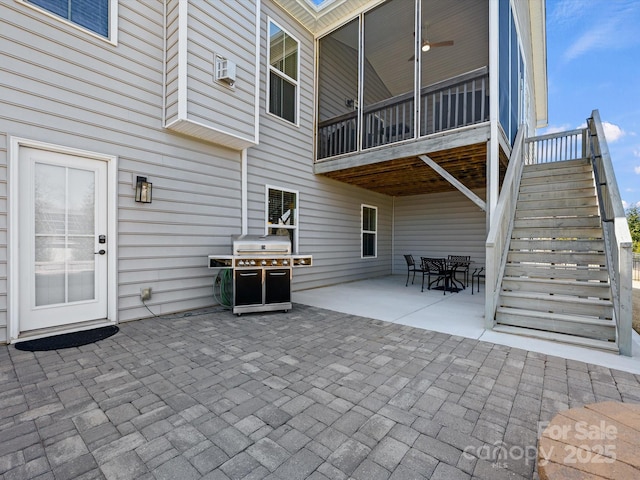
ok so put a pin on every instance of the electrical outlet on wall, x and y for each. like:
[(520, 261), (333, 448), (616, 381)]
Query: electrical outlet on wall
[(145, 294)]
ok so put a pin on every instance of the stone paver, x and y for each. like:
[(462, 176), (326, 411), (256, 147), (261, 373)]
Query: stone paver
[(308, 394)]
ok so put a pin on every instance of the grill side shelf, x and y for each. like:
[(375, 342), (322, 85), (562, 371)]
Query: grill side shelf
[(220, 261), (301, 260)]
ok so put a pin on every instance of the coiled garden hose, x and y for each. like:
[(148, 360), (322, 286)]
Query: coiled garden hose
[(223, 288)]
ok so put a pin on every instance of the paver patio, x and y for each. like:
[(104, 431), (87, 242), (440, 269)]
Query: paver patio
[(306, 394)]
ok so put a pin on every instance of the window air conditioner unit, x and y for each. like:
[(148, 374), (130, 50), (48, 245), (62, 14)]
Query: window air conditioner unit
[(225, 70)]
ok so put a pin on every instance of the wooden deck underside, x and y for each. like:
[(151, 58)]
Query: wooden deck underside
[(412, 176)]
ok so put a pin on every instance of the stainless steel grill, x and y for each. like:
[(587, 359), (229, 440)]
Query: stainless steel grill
[(262, 272)]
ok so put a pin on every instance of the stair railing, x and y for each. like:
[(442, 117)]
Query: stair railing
[(499, 237), (618, 244), (557, 147)]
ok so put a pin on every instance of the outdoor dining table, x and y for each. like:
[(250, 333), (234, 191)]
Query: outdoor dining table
[(447, 271)]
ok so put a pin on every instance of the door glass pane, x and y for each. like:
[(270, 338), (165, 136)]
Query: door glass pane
[(50, 269), (81, 202), (49, 189), (64, 234), (80, 269)]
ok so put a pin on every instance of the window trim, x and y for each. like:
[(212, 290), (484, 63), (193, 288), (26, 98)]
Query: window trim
[(363, 232), (296, 213), (282, 75), (112, 23)]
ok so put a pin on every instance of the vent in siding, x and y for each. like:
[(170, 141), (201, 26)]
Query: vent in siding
[(225, 70)]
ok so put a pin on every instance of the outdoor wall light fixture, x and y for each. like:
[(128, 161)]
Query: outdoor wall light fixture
[(143, 190)]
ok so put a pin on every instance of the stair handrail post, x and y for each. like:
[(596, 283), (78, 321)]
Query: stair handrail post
[(501, 226), (618, 243)]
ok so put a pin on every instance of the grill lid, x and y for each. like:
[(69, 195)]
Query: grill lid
[(261, 245)]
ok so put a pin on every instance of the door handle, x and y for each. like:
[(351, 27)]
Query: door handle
[(100, 252)]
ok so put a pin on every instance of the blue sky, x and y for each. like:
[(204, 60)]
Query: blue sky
[(593, 50)]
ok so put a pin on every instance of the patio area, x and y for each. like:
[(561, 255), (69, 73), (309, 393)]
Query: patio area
[(312, 393), (387, 298)]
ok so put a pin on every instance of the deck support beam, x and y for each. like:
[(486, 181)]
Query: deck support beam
[(455, 182)]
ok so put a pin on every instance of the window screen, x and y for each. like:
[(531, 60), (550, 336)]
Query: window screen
[(90, 14), (282, 214), (369, 231), (283, 74)]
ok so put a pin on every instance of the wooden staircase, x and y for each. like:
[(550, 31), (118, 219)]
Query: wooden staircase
[(556, 284)]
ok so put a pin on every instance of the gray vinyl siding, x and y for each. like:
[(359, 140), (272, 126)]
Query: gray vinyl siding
[(200, 105), (67, 88), (438, 225), (329, 211)]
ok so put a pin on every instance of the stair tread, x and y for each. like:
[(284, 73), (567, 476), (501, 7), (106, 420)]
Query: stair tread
[(556, 266), (560, 164), (558, 337), (581, 245), (558, 281), (557, 297), (564, 317)]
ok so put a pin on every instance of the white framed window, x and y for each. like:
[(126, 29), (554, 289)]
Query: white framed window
[(98, 17), (282, 214), (369, 232), (283, 52)]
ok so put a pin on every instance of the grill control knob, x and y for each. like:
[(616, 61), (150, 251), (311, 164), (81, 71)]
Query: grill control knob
[(263, 263), (285, 262), (302, 262), (252, 262), (274, 262), (240, 263)]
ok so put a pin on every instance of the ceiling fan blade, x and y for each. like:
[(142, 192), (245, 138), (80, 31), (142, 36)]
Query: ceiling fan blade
[(446, 43)]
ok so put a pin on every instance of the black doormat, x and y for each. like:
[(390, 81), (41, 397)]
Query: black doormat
[(67, 340)]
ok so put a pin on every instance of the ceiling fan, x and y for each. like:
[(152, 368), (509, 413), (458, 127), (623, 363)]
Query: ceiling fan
[(427, 45)]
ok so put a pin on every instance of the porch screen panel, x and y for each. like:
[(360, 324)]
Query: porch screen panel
[(388, 91), (510, 73), (515, 87), (338, 91), (503, 62)]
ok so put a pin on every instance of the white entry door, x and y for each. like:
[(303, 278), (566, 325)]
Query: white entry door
[(63, 239)]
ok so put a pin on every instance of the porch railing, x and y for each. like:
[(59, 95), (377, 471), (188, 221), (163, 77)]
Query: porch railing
[(453, 103), (618, 243), (557, 147), (499, 237)]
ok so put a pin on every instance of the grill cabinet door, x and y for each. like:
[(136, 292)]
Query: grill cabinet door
[(278, 286), (248, 287)]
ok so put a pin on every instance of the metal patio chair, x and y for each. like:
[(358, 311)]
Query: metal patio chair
[(438, 268), (412, 266), (461, 263)]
